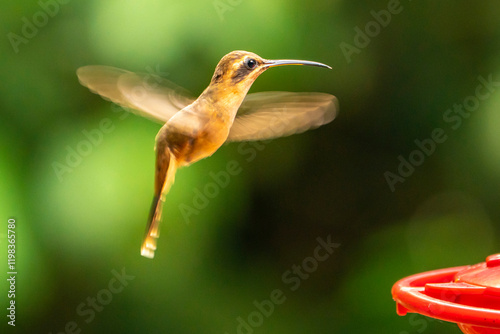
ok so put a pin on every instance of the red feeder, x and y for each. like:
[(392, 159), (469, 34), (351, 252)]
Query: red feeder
[(468, 295)]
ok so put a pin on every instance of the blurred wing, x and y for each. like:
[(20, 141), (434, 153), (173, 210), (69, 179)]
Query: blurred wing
[(269, 115), (146, 94)]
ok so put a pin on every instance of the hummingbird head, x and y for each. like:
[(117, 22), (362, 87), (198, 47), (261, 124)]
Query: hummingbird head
[(239, 69)]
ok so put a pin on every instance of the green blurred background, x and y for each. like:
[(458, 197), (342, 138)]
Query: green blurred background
[(75, 228)]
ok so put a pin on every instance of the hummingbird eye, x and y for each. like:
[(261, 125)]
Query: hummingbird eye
[(250, 63)]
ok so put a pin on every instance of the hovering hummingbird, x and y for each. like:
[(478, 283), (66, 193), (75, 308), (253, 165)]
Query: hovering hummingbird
[(195, 128)]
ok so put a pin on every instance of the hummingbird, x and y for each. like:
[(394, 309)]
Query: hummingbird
[(195, 128)]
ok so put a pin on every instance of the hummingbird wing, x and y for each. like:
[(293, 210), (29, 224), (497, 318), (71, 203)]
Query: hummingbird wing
[(269, 115), (145, 94)]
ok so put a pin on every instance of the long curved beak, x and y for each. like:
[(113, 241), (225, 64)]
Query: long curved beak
[(282, 62)]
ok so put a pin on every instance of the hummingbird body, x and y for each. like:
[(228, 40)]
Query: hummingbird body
[(192, 136), (222, 113)]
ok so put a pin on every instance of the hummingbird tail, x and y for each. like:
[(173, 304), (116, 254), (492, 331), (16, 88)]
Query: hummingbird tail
[(169, 167)]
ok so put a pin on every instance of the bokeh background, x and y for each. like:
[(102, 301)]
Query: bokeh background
[(81, 221)]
